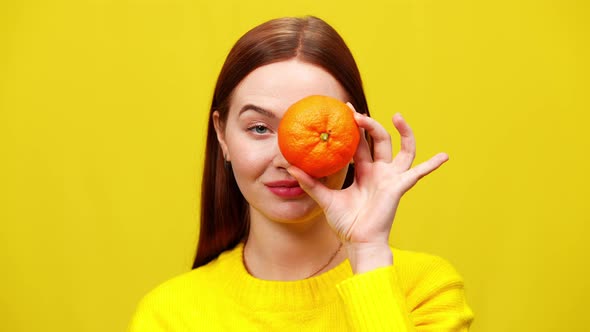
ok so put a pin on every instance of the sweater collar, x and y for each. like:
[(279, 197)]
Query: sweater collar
[(258, 294)]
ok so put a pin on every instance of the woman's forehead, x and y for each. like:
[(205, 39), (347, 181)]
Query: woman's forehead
[(278, 85)]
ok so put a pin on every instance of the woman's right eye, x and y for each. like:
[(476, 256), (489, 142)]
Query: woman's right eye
[(259, 129)]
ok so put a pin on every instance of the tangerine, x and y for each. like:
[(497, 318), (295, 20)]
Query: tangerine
[(319, 135)]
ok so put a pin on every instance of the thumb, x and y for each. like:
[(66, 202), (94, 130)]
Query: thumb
[(314, 188)]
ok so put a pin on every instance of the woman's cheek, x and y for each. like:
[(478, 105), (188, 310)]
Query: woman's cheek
[(251, 154)]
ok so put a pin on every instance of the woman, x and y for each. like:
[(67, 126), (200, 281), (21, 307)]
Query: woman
[(279, 250)]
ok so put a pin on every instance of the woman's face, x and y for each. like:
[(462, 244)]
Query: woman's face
[(249, 138)]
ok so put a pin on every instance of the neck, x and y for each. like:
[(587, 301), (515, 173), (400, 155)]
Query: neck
[(281, 251)]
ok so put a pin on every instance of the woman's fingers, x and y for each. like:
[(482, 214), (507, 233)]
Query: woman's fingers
[(314, 188), (381, 139), (404, 159), (413, 175), (363, 151)]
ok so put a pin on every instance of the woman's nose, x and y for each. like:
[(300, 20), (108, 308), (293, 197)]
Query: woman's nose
[(279, 160)]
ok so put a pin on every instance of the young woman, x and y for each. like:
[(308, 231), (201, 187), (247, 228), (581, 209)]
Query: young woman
[(280, 250)]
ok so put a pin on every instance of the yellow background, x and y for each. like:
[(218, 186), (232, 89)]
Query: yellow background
[(102, 118)]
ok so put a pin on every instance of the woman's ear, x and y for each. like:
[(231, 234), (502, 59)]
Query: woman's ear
[(220, 131)]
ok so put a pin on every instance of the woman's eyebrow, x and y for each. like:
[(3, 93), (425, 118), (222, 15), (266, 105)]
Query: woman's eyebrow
[(250, 107)]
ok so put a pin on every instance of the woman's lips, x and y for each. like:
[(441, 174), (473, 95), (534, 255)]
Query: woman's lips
[(285, 188)]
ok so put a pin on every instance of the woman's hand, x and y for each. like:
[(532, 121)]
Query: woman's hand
[(362, 214)]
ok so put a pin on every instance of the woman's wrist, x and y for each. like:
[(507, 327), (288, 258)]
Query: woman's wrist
[(365, 257)]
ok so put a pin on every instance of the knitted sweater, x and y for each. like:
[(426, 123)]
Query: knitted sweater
[(418, 293)]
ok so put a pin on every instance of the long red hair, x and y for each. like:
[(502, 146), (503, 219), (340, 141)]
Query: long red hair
[(224, 211)]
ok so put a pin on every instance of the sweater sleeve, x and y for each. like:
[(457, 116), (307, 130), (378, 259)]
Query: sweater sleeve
[(161, 310), (421, 297), (147, 319)]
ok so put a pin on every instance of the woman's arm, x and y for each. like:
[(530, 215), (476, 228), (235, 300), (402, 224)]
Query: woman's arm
[(419, 293), (362, 215)]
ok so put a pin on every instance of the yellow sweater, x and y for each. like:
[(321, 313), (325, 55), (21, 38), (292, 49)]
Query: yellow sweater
[(418, 293)]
